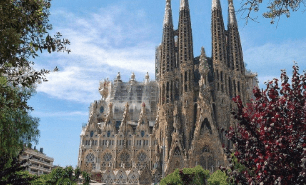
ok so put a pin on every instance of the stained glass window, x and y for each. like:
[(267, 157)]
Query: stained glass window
[(107, 157), (142, 156), (90, 157), (142, 133), (101, 109), (91, 133), (108, 133), (124, 156)]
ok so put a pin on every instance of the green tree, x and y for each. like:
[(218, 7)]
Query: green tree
[(14, 172), (218, 178), (194, 176), (24, 31), (276, 8), (17, 126), (62, 176)]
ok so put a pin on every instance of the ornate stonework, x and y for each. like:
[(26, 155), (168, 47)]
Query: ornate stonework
[(141, 131)]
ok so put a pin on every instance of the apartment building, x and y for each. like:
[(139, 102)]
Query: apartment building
[(39, 162)]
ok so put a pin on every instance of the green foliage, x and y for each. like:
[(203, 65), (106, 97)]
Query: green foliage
[(194, 176), (17, 127), (276, 8), (86, 178), (12, 170), (217, 178), (62, 176), (23, 31)]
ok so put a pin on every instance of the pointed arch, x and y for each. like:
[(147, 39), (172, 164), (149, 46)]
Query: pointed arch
[(108, 177), (205, 125), (177, 151), (133, 176), (121, 177)]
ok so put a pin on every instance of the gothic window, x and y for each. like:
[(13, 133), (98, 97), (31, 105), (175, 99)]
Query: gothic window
[(124, 157), (103, 164), (185, 76), (210, 162), (142, 133), (177, 151), (205, 126), (91, 133), (142, 156), (90, 158), (118, 123), (221, 76), (107, 157), (108, 133), (138, 165), (101, 109), (206, 149), (203, 162)]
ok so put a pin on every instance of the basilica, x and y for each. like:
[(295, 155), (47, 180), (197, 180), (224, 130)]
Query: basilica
[(141, 131)]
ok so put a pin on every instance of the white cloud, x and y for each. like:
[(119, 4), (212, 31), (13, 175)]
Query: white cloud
[(269, 59), (102, 44)]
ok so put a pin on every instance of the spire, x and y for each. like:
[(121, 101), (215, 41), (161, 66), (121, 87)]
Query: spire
[(109, 119), (219, 54), (234, 43), (203, 54), (143, 123), (125, 127), (168, 14), (185, 34), (184, 5), (110, 112), (167, 45), (216, 4), (231, 13)]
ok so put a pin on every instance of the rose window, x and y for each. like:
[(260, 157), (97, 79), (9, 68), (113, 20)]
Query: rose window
[(107, 157), (90, 158), (124, 157), (142, 156)]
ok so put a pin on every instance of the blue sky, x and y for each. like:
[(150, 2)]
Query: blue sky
[(121, 35)]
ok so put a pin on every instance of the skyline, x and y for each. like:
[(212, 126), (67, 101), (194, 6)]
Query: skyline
[(107, 37)]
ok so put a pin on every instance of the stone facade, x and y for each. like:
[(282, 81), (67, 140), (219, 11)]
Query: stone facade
[(145, 130)]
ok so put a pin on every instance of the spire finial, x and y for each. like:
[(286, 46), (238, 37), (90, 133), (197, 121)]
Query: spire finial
[(184, 5), (133, 76), (231, 13), (118, 76), (203, 54), (216, 4), (168, 13)]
